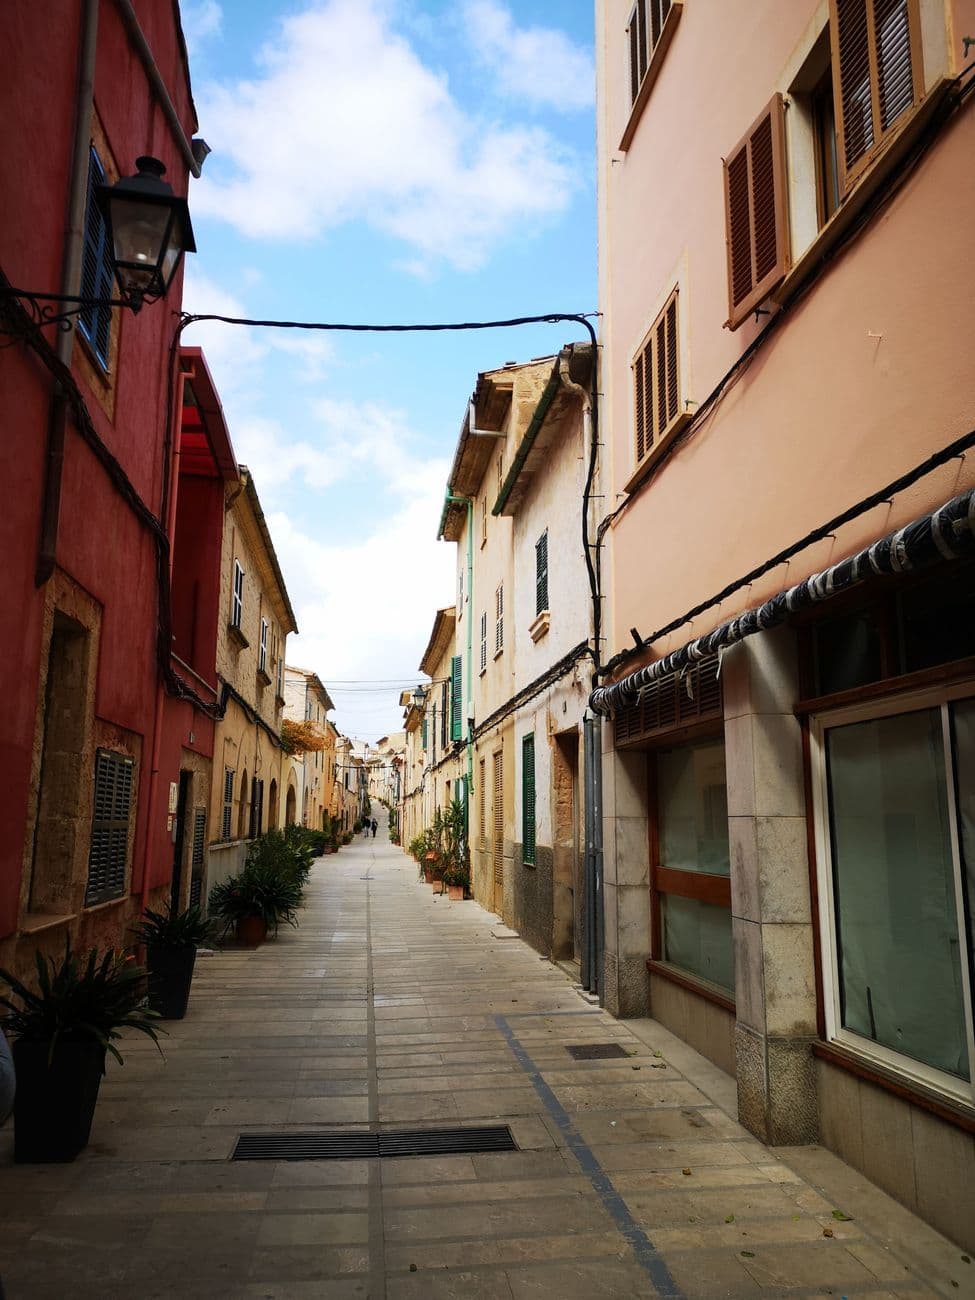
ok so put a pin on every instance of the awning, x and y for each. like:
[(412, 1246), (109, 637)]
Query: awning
[(946, 534)]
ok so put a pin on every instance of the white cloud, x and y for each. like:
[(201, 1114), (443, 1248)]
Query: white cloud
[(538, 64), (344, 122), (199, 20)]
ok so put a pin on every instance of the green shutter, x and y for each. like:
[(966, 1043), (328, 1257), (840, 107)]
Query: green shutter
[(424, 733), (541, 573), (528, 800), (456, 697)]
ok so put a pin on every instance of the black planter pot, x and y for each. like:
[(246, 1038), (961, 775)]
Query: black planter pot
[(170, 977), (55, 1103)]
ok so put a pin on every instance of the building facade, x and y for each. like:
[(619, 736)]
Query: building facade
[(307, 700), (85, 841), (789, 685)]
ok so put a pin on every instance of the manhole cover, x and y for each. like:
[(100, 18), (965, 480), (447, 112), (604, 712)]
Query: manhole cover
[(370, 1146), (596, 1051)]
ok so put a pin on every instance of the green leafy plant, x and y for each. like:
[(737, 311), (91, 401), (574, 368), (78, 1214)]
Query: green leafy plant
[(172, 929), (261, 889), (453, 841), (276, 852), (80, 998)]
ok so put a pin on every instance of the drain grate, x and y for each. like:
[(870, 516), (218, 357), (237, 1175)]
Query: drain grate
[(370, 1146), (596, 1051)]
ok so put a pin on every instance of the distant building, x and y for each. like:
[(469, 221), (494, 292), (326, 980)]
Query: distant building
[(307, 700)]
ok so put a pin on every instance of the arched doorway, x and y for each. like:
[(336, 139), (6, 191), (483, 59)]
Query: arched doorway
[(272, 806), (290, 806)]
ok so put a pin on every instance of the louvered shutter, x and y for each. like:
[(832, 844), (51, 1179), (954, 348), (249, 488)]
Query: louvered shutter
[(528, 800), (484, 641), (228, 803), (196, 861), (656, 377), (424, 734), (456, 697), (541, 573), (97, 267), (756, 213), (481, 797), (499, 619), (109, 849), (445, 712), (498, 818), (876, 73)]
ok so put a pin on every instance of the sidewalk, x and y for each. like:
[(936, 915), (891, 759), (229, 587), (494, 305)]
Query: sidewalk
[(390, 1007)]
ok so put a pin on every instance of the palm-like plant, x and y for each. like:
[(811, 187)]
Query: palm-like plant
[(80, 999), (173, 929), (261, 889)]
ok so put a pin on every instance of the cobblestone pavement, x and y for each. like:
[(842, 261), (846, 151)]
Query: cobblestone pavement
[(391, 1007)]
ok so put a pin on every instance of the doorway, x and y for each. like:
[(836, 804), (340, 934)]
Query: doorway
[(567, 893), (179, 839)]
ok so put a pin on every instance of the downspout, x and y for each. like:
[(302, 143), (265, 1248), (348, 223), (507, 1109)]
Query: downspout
[(469, 704), (70, 287)]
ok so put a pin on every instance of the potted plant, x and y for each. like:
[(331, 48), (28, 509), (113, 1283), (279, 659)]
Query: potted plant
[(453, 839), (171, 940), (62, 1031), (456, 878), (259, 898)]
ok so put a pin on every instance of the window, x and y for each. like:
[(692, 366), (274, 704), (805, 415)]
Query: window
[(226, 823), (877, 63), (237, 602), (262, 654), (691, 871), (484, 641), (109, 852), (456, 697), (498, 819), (657, 382), (649, 33), (280, 674), (460, 592), (97, 268), (481, 797), (528, 800), (423, 734), (445, 710), (824, 144), (499, 620), (895, 806), (541, 573), (756, 213)]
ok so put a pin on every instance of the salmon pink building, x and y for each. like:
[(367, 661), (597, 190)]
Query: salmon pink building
[(788, 684)]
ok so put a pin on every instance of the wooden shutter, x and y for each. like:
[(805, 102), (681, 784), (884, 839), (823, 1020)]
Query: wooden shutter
[(756, 210), (656, 381), (446, 710), (499, 619), (877, 74), (498, 811), (541, 573), (481, 797), (228, 802), (423, 741), (109, 850), (528, 800), (456, 697), (196, 860), (484, 641), (97, 274)]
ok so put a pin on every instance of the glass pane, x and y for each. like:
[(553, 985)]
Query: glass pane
[(937, 622), (963, 718), (899, 967), (847, 652), (697, 937), (692, 799)]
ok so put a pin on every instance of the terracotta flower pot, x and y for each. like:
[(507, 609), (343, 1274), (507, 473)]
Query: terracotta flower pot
[(251, 930), (456, 892)]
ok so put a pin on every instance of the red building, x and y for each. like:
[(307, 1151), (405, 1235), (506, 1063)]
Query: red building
[(88, 470)]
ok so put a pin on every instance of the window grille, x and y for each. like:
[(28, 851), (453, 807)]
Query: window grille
[(226, 824), (109, 850)]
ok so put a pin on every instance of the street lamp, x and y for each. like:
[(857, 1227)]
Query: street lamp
[(150, 230)]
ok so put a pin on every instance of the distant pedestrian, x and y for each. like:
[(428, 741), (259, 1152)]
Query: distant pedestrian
[(374, 825)]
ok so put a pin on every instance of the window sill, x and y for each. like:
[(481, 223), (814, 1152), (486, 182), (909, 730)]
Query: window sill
[(703, 988), (652, 72), (105, 904), (541, 625), (235, 634), (35, 922), (499, 653), (279, 701), (263, 677), (951, 1111), (870, 180), (650, 459)]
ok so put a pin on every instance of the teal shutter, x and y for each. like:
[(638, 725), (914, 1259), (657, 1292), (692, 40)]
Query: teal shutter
[(541, 573), (528, 800), (424, 733), (456, 697)]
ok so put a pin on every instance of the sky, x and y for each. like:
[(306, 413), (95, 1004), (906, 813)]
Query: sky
[(374, 161)]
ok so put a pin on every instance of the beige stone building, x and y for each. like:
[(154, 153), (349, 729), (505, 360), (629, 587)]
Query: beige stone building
[(251, 770), (307, 700)]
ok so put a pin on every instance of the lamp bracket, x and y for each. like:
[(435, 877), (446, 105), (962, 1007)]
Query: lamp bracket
[(43, 308)]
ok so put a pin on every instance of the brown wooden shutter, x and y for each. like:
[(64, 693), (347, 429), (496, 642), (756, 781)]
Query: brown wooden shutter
[(656, 381), (756, 211), (876, 74), (498, 818)]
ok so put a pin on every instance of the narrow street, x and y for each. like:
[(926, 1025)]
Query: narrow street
[(391, 1008)]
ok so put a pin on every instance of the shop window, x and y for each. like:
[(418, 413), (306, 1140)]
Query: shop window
[(691, 873), (896, 813)]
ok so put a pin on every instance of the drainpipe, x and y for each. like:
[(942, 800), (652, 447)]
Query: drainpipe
[(469, 710), (70, 287)]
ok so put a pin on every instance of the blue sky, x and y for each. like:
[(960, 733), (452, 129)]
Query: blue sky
[(374, 161)]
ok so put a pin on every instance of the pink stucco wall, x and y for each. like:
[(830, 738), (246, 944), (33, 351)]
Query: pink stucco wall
[(872, 372)]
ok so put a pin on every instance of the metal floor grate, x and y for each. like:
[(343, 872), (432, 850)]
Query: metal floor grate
[(596, 1051), (370, 1146)]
